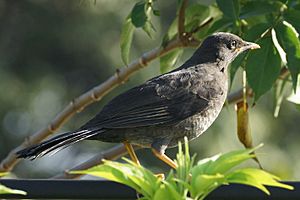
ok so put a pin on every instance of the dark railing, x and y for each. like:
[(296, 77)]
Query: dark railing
[(94, 189)]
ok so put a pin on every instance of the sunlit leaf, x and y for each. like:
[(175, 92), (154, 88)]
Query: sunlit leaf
[(207, 175), (230, 8), (126, 40), (130, 174), (161, 193), (3, 174), (6, 190), (204, 182), (168, 61), (138, 14), (256, 178), (293, 17), (229, 160), (263, 67), (289, 41)]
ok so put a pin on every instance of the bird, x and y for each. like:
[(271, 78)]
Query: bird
[(163, 110)]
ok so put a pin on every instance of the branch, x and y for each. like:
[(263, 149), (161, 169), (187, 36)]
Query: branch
[(93, 95), (119, 150), (181, 20)]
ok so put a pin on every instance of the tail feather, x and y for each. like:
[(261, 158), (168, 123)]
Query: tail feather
[(56, 144)]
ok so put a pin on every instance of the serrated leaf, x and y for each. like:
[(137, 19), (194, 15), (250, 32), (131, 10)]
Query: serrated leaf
[(289, 41), (126, 40), (138, 14), (168, 61), (256, 178), (263, 67), (230, 8), (6, 190)]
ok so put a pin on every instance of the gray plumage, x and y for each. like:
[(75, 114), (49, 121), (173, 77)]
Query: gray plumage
[(158, 113)]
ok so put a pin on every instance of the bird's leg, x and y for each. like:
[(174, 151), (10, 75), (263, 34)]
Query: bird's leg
[(163, 157), (131, 153)]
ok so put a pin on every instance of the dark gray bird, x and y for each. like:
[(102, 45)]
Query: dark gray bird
[(165, 109)]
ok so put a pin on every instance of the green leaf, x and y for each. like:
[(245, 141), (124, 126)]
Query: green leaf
[(194, 15), (258, 8), (130, 174), (139, 15), (229, 160), (288, 40), (149, 29), (204, 183), (263, 67), (256, 178), (171, 33), (3, 173), (126, 40), (230, 8), (293, 17), (6, 190), (235, 66), (256, 31), (161, 193), (219, 25), (279, 91), (156, 12), (294, 97), (168, 61)]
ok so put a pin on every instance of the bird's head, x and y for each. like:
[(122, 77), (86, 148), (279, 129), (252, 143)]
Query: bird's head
[(222, 48)]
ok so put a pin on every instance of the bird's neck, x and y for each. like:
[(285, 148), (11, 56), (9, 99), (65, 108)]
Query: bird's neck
[(202, 56)]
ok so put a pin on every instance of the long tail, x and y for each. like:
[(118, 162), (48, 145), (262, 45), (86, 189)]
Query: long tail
[(56, 144)]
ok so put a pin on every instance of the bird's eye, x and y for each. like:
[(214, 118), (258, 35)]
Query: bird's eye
[(232, 44)]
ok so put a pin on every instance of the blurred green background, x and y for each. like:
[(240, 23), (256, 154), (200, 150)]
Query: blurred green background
[(53, 51)]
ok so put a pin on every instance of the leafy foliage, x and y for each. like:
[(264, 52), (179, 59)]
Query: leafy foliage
[(263, 67), (139, 17), (6, 190), (254, 21), (189, 181)]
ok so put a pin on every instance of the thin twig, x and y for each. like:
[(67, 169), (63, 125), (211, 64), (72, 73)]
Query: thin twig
[(181, 21), (89, 97)]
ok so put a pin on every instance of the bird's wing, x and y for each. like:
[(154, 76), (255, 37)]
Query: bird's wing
[(164, 100)]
